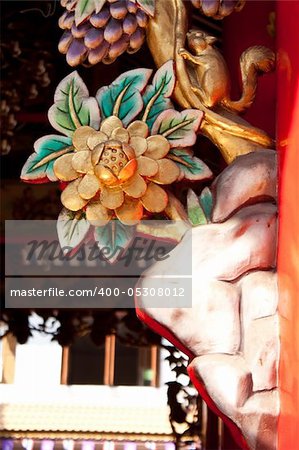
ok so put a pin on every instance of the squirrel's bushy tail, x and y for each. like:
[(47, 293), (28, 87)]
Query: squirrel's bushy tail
[(253, 61)]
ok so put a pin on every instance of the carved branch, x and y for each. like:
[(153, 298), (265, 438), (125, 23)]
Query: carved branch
[(166, 37)]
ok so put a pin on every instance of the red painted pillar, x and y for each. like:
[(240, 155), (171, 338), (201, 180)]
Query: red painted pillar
[(288, 246), (252, 26), (241, 30)]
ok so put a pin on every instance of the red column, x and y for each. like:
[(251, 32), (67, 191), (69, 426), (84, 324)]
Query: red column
[(242, 30), (288, 246), (245, 29)]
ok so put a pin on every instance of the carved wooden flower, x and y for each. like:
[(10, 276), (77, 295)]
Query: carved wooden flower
[(119, 152), (116, 170)]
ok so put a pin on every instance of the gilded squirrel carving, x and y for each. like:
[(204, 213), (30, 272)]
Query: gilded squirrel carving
[(211, 80)]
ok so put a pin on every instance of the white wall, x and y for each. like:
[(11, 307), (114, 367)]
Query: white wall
[(38, 362)]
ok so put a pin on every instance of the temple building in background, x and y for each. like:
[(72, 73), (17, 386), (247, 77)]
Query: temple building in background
[(85, 397)]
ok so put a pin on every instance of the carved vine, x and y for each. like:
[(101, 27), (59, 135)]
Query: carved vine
[(166, 39)]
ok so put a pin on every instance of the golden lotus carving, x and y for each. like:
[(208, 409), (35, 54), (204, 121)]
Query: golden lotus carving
[(115, 161)]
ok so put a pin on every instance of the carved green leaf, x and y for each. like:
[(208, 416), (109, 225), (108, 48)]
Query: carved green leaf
[(195, 212), (123, 97), (178, 127), (156, 97), (73, 107), (71, 229), (191, 168), (113, 239), (39, 166), (148, 6), (206, 201), (85, 8)]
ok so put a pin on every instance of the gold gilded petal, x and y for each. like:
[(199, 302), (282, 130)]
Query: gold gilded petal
[(109, 124), (70, 197), (139, 145), (112, 198), (168, 172), (81, 136), (81, 161), (129, 151), (96, 153), (113, 144), (155, 199), (135, 187), (97, 214), (120, 134), (96, 138), (138, 128), (130, 212), (105, 175), (63, 168), (157, 147), (89, 186), (146, 166), (128, 171)]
